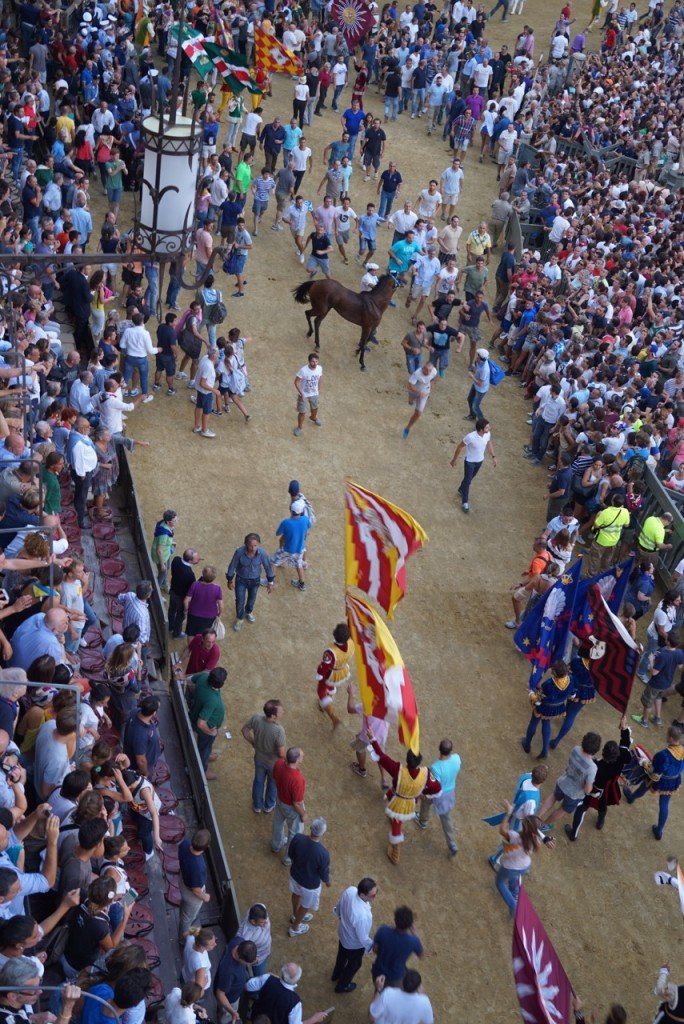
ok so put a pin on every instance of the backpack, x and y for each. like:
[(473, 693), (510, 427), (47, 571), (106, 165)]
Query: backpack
[(217, 312), (635, 468), (496, 374)]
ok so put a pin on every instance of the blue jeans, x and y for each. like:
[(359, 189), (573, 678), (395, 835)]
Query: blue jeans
[(248, 588), (144, 827), (173, 290), (412, 362), (17, 160), (417, 101), (263, 787), (650, 648), (475, 401), (540, 437), (152, 291), (440, 358), (391, 107), (336, 95), (204, 745), (508, 883), (139, 363), (353, 139), (386, 202), (470, 471)]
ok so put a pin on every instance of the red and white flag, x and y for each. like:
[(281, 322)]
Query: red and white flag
[(380, 537), (543, 989)]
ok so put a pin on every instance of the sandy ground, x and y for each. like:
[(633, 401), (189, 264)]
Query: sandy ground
[(610, 924)]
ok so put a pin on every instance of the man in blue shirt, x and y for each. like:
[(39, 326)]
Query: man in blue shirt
[(393, 947), (193, 878), (445, 769), (292, 536), (368, 234), (351, 120)]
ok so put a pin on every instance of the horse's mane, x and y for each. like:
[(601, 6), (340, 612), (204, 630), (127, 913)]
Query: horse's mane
[(381, 281)]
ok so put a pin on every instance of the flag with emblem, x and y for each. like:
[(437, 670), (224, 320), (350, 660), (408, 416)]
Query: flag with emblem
[(613, 584), (380, 537), (543, 633), (192, 45), (384, 683), (355, 19), (271, 55), (541, 984), (232, 67), (611, 655)]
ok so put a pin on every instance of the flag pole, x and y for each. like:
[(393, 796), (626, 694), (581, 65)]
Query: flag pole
[(175, 85)]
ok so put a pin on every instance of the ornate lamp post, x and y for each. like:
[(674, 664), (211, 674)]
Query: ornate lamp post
[(169, 184)]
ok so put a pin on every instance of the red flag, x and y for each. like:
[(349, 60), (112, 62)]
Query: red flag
[(355, 19), (543, 989), (611, 655)]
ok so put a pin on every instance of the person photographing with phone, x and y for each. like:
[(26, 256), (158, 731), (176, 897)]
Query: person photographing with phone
[(277, 999)]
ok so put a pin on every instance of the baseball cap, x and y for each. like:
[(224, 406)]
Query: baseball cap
[(483, 353), (293, 487), (298, 506), (372, 266)]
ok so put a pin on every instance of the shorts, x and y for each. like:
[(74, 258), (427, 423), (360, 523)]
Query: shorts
[(295, 559), (420, 401), (650, 696), (371, 159), (367, 245), (313, 403), (240, 261), (247, 142), (282, 201), (358, 745), (204, 402), (450, 198), (259, 207), (502, 157), (318, 263), (310, 898), (228, 232), (131, 278), (114, 195), (567, 803), (225, 390), (165, 363), (420, 289), (473, 333), (520, 593), (342, 237), (208, 151), (462, 145)]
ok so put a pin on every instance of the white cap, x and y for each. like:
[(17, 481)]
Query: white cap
[(298, 506), (483, 353), (153, 72), (372, 266), (87, 16)]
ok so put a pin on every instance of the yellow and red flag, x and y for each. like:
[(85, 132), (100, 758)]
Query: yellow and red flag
[(384, 683), (271, 55), (379, 537)]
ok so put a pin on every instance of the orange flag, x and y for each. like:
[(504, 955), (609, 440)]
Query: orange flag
[(271, 55)]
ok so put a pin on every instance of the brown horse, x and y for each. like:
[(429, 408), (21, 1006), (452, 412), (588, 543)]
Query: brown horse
[(364, 309)]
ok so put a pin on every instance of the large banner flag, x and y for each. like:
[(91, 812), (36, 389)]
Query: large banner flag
[(355, 19), (231, 66), (271, 55), (613, 584), (379, 537), (543, 634), (612, 654), (543, 989), (384, 683), (221, 35), (192, 45)]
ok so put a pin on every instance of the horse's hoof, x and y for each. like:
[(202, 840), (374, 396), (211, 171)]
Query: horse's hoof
[(363, 369)]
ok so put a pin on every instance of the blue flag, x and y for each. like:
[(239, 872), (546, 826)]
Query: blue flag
[(543, 633), (612, 583)]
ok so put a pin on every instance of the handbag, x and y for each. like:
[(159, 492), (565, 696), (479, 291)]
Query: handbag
[(230, 265), (219, 629)]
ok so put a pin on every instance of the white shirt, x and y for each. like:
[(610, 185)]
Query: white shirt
[(356, 920), (111, 410), (344, 219), (310, 379), (402, 221), (423, 381), (174, 1012), (192, 961), (102, 119), (428, 203), (137, 342), (300, 157), (252, 122), (394, 1006), (218, 193), (83, 458), (369, 281), (559, 227), (482, 75), (339, 74), (559, 47), (475, 445), (206, 371), (446, 280)]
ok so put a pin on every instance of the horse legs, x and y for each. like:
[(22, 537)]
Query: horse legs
[(361, 350), (317, 324), (308, 314)]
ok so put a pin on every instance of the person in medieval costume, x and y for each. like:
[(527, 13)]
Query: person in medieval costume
[(409, 781), (334, 669)]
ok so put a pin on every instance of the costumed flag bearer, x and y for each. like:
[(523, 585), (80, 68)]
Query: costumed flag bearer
[(334, 669)]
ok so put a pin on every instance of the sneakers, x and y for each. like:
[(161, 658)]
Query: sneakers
[(156, 387), (405, 433), (302, 930), (569, 833), (288, 863), (197, 430), (465, 506), (133, 394), (421, 824), (302, 257), (640, 721), (317, 422), (171, 392), (297, 431), (307, 917), (237, 625), (298, 585), (191, 384), (181, 375), (148, 398), (511, 624), (358, 770), (250, 617), (657, 720), (207, 433)]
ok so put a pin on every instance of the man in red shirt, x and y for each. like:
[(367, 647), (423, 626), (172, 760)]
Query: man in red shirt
[(290, 811), (204, 654)]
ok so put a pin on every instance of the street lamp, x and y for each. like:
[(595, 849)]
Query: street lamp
[(169, 184)]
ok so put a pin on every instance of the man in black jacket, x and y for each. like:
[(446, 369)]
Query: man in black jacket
[(77, 298)]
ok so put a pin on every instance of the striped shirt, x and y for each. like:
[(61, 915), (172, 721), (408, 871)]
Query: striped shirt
[(136, 612), (263, 188)]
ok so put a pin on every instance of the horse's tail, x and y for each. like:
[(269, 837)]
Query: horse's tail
[(301, 292)]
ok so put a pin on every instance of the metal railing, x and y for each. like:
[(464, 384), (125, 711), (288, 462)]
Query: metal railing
[(216, 854), (657, 501), (59, 988)]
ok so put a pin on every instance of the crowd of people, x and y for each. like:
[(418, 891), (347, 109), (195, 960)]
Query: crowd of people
[(587, 315)]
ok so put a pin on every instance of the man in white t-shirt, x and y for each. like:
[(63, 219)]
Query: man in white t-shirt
[(206, 391), (405, 1005), (419, 387), (344, 221), (429, 200), (308, 386), (559, 46), (250, 130), (339, 73), (475, 444)]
